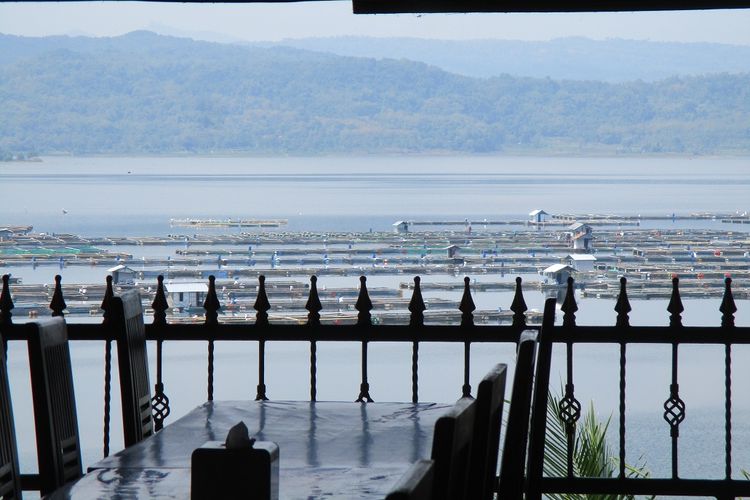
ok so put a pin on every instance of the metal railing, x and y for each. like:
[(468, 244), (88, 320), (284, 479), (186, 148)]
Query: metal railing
[(262, 331), (622, 334), (568, 334)]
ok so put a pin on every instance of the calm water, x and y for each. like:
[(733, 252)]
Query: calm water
[(138, 196)]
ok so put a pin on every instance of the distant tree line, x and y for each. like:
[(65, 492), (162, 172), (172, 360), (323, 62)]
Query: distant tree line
[(159, 95)]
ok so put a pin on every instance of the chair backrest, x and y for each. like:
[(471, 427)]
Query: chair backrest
[(58, 447), (486, 443), (451, 450), (416, 483), (538, 431), (513, 464), (135, 389), (10, 479)]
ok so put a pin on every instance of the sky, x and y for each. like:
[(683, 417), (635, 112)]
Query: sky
[(272, 22)]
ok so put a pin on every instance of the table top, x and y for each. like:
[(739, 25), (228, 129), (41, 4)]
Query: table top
[(326, 449)]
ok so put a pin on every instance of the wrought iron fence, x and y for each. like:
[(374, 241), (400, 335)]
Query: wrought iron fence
[(622, 334), (262, 330), (568, 334)]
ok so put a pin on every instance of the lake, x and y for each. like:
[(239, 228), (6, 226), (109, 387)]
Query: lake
[(138, 196)]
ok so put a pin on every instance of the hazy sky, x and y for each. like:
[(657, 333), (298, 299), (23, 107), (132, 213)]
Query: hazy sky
[(279, 21)]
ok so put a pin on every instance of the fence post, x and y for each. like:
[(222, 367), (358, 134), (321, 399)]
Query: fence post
[(261, 321), (467, 307), (313, 307), (416, 321), (364, 321)]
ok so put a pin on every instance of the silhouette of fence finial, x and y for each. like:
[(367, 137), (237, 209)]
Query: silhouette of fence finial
[(675, 307), (569, 306), (622, 307), (364, 304), (106, 301), (6, 302), (58, 304), (160, 304), (313, 304), (518, 306), (261, 303), (212, 304), (467, 306), (728, 307), (416, 304)]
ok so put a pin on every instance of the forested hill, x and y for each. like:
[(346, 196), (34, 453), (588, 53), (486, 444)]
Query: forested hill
[(572, 58), (147, 94)]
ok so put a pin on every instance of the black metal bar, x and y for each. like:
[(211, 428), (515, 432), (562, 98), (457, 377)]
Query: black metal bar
[(107, 393), (728, 411), (364, 324), (210, 366), (415, 372), (622, 307), (313, 307), (720, 488), (622, 411), (260, 394), (6, 303), (466, 389)]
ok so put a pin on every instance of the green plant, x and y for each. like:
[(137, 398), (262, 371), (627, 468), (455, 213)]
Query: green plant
[(592, 454)]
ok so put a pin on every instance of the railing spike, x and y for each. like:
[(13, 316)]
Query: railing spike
[(675, 307), (160, 304), (211, 304), (569, 306), (518, 306), (728, 307), (6, 302), (364, 304), (107, 300), (313, 304), (261, 302), (467, 306), (416, 305), (622, 307), (58, 304)]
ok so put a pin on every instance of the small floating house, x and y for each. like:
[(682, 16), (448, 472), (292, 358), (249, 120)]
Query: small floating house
[(538, 216), (186, 295), (122, 275), (581, 236), (582, 261), (559, 273), (401, 226)]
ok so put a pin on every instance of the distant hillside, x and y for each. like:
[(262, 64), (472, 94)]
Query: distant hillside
[(565, 58), (147, 94)]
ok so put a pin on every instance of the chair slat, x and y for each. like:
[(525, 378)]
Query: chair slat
[(416, 483), (132, 357), (58, 446), (451, 450), (10, 479)]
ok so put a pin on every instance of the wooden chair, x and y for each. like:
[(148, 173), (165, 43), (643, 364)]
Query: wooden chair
[(10, 479), (486, 442), (451, 451), (416, 483), (513, 464), (58, 447), (135, 389)]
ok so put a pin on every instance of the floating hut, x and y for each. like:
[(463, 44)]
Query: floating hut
[(122, 275), (401, 226), (581, 236), (538, 216), (582, 261), (559, 273), (186, 295)]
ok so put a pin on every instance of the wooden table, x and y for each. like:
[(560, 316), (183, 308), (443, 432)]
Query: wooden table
[(326, 449)]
